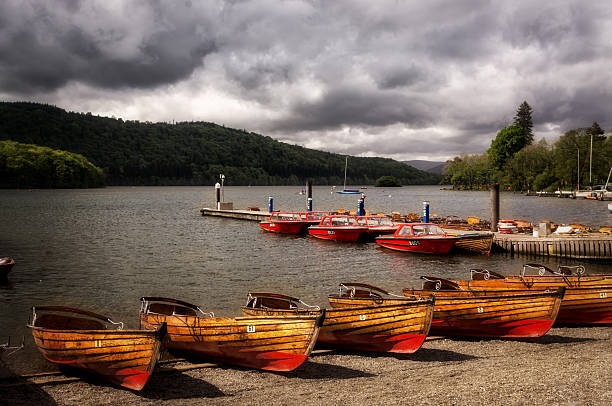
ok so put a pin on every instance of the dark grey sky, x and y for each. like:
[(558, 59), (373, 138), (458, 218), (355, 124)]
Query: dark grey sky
[(402, 79)]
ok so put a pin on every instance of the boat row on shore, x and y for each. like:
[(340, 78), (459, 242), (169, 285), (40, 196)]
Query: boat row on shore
[(423, 238), (278, 332)]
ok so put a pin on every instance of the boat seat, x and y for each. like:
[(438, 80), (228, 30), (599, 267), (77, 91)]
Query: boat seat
[(170, 309), (63, 322), (275, 303)]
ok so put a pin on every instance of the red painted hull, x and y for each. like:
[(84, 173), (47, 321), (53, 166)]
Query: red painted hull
[(484, 328), (267, 360), (579, 317), (345, 234), (439, 246), (126, 377), (284, 227), (400, 343)]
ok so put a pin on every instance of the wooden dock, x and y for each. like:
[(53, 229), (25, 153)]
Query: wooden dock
[(252, 215), (593, 246)]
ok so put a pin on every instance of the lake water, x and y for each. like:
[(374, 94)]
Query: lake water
[(102, 249)]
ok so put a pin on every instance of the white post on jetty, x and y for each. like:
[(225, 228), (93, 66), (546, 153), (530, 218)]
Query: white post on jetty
[(222, 176), (218, 195)]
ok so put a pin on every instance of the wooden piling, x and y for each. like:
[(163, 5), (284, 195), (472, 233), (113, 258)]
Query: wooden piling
[(494, 206)]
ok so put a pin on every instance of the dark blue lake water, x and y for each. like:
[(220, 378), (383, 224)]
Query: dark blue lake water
[(103, 249)]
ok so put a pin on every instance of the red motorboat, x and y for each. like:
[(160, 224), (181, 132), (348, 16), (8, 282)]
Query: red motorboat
[(285, 222), (339, 228), (423, 238), (377, 225)]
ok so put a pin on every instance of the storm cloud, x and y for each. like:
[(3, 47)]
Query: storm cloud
[(403, 79)]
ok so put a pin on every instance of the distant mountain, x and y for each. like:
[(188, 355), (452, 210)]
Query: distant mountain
[(189, 153), (427, 166)]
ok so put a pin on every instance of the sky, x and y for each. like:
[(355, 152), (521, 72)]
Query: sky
[(399, 79)]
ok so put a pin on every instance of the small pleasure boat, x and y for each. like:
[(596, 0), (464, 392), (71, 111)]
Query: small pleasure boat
[(339, 228), (377, 225), (6, 264), (423, 238), (285, 222)]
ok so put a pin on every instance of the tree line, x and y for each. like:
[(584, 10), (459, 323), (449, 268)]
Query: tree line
[(581, 157), (33, 166), (189, 153)]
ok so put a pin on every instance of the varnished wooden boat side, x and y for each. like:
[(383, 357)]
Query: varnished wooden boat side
[(477, 243), (268, 342), (400, 327), (583, 304), (493, 313), (79, 339)]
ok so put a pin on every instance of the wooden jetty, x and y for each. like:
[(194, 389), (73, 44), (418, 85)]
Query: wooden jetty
[(594, 246)]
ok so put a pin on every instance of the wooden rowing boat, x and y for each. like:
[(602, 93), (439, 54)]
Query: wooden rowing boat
[(6, 264), (398, 328), (461, 313), (270, 343), (82, 339), (544, 279), (494, 313), (477, 243), (588, 299)]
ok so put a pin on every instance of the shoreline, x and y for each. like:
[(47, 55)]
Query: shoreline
[(568, 365)]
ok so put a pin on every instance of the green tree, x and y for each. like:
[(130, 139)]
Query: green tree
[(523, 119), (388, 181), (508, 142)]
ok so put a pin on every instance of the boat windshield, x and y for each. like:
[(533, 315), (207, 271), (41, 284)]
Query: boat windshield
[(421, 229), (313, 215), (287, 216), (378, 221), (343, 221)]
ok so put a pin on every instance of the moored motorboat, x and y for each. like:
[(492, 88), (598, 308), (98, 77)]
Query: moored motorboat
[(493, 313), (339, 228), (6, 264), (82, 339), (422, 238), (285, 223), (263, 342), (399, 328), (377, 225)]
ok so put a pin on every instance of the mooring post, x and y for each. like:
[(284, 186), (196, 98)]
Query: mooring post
[(309, 195), (218, 193), (360, 209), (425, 212), (270, 204), (494, 206)]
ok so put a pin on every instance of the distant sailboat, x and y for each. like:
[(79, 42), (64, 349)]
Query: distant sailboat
[(346, 191)]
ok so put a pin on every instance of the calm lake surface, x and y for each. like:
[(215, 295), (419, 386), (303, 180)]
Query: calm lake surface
[(102, 249)]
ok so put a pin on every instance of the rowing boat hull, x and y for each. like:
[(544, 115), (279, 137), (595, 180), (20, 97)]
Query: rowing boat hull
[(269, 343), (123, 357), (397, 328), (6, 264), (493, 313), (581, 305), (476, 243)]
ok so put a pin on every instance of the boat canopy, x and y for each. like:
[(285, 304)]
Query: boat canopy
[(420, 230)]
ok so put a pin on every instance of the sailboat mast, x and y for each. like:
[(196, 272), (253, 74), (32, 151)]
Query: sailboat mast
[(345, 165)]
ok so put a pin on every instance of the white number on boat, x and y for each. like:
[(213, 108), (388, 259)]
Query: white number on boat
[(414, 242), (330, 232), (272, 225), (250, 329), (362, 317), (603, 295), (480, 310)]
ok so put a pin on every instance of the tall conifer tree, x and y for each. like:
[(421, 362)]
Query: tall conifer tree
[(523, 120)]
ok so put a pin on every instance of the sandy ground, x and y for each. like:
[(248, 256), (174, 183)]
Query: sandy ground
[(568, 366)]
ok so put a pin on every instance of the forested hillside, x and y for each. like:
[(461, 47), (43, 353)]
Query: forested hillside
[(32, 166), (189, 153)]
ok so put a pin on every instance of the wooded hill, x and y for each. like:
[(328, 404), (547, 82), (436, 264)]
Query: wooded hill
[(189, 153)]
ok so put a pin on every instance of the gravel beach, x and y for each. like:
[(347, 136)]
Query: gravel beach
[(569, 365)]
